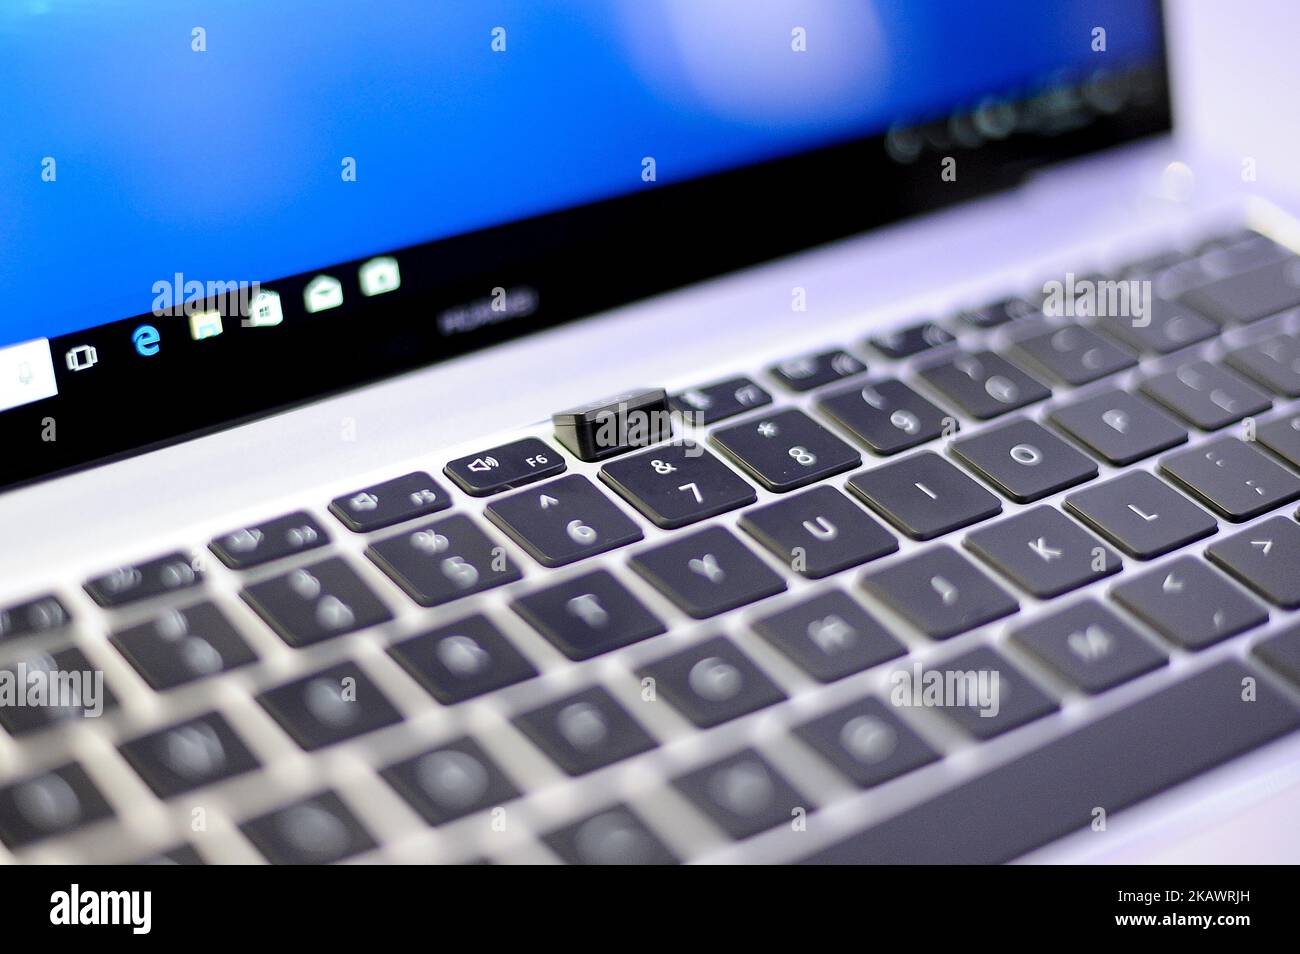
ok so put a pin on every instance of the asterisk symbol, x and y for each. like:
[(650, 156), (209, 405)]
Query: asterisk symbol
[(767, 429)]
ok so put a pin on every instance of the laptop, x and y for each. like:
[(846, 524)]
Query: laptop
[(638, 433)]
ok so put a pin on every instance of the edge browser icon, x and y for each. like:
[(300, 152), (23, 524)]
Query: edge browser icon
[(146, 338)]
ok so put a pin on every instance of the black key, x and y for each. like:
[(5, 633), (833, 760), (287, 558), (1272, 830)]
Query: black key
[(181, 646), (1205, 395), (1266, 558), (126, 584), (998, 697), (54, 803), (1073, 354), (742, 794), (984, 384), (316, 831), (785, 450), (1273, 362), (563, 521), (613, 837), (867, 742), (912, 340), (1236, 479), (504, 468), (1024, 460), (450, 782), (45, 614), (1282, 652), (462, 660), (1241, 252), (829, 636), (1119, 427), (707, 572), (1089, 646), (1141, 515), (812, 371), (677, 484), (1043, 552), (187, 756), (1000, 312), (316, 602), (1282, 436), (1189, 603), (818, 532), (269, 540), (1113, 763), (716, 402), (79, 691), (382, 505), (940, 592), (712, 682), (1249, 296), (612, 425), (1166, 327), (588, 615), (924, 495), (443, 561), (330, 706), (888, 416), (585, 731)]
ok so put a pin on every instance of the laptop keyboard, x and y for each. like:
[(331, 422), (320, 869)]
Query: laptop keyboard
[(683, 652)]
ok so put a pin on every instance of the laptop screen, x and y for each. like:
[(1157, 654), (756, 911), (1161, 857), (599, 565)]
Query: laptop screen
[(362, 189)]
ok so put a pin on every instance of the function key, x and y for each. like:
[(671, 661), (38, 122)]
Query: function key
[(1189, 603), (1000, 312), (316, 831), (316, 602), (588, 615), (585, 731), (1090, 646), (1206, 395), (402, 498), (743, 794), (462, 660), (271, 540), (818, 532), (677, 484), (613, 837), (707, 572), (41, 615), (712, 682), (444, 560), (506, 467), (813, 370), (181, 646), (910, 341), (888, 416), (563, 521), (786, 450), (47, 805), (450, 782), (126, 584), (1234, 478), (984, 384), (715, 402), (1119, 427), (609, 426), (331, 706), (1024, 460), (81, 691), (1073, 354), (195, 753)]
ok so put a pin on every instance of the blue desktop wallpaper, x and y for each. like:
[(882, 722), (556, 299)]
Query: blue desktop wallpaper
[(226, 163)]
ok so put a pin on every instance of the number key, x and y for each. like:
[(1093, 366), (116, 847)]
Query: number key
[(888, 416), (984, 384), (563, 521), (678, 484), (786, 450), (443, 561)]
